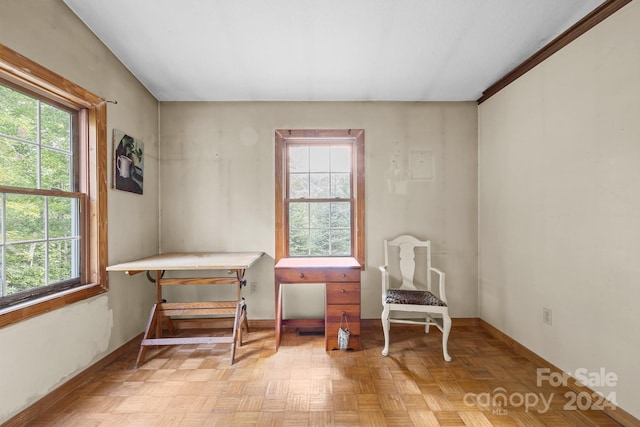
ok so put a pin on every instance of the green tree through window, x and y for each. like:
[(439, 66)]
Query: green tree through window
[(319, 200), (39, 206)]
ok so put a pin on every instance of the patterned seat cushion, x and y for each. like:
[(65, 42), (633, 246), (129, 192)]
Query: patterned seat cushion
[(397, 296)]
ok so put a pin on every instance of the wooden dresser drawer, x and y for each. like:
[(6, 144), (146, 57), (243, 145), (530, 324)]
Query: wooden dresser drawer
[(332, 323), (333, 315), (294, 275), (343, 293)]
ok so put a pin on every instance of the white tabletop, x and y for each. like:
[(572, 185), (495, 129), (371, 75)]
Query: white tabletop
[(191, 261)]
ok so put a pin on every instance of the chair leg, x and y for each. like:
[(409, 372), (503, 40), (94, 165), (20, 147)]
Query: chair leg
[(385, 328), (427, 321), (446, 323)]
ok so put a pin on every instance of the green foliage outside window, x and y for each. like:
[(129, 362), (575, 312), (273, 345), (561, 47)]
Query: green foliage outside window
[(39, 233), (320, 205)]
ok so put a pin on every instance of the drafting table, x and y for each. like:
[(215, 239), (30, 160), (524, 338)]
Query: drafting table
[(232, 262)]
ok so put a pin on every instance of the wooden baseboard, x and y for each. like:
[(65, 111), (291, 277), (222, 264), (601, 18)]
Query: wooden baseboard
[(47, 401), (613, 411), (465, 321)]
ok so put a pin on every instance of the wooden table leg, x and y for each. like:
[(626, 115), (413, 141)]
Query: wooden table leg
[(242, 321), (241, 282), (153, 320), (158, 304), (170, 325), (237, 326), (278, 314), (245, 321)]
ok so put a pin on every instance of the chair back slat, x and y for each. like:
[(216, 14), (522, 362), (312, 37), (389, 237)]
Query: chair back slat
[(407, 266), (407, 245)]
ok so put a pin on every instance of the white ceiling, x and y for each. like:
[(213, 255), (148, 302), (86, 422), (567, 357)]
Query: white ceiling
[(329, 50)]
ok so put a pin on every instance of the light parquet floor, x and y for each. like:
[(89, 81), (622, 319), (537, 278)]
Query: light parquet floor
[(302, 385)]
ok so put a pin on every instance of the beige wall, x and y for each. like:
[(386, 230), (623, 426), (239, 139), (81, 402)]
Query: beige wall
[(217, 181), (556, 204), (39, 354), (559, 203)]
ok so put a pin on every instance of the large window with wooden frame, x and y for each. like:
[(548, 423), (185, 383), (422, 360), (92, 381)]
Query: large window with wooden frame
[(52, 190), (320, 193)]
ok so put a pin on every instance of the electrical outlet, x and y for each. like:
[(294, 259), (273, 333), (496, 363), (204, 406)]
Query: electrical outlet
[(254, 287), (547, 315)]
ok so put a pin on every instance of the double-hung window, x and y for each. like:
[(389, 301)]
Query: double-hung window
[(320, 193), (52, 190)]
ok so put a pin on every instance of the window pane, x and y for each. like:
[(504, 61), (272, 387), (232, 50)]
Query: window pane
[(341, 215), (25, 217), (18, 115), (320, 185), (299, 159), (319, 159), (1, 230), (2, 288), (298, 185), (320, 242), (320, 215), (62, 217), (298, 215), (56, 170), (299, 242), (341, 185), (319, 229), (18, 163), (55, 127), (25, 267), (340, 242), (341, 159), (61, 261)]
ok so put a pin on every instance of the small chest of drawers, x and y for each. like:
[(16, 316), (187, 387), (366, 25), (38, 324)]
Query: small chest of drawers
[(342, 280)]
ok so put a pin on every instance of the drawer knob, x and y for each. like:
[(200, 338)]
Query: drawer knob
[(342, 291), (344, 274), (301, 275)]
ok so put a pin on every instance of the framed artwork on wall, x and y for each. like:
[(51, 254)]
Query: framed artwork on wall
[(128, 162)]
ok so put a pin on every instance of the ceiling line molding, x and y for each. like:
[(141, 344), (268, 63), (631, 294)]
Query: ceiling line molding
[(598, 15)]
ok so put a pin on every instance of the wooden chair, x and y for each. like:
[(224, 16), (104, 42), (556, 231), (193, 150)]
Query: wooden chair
[(408, 297)]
